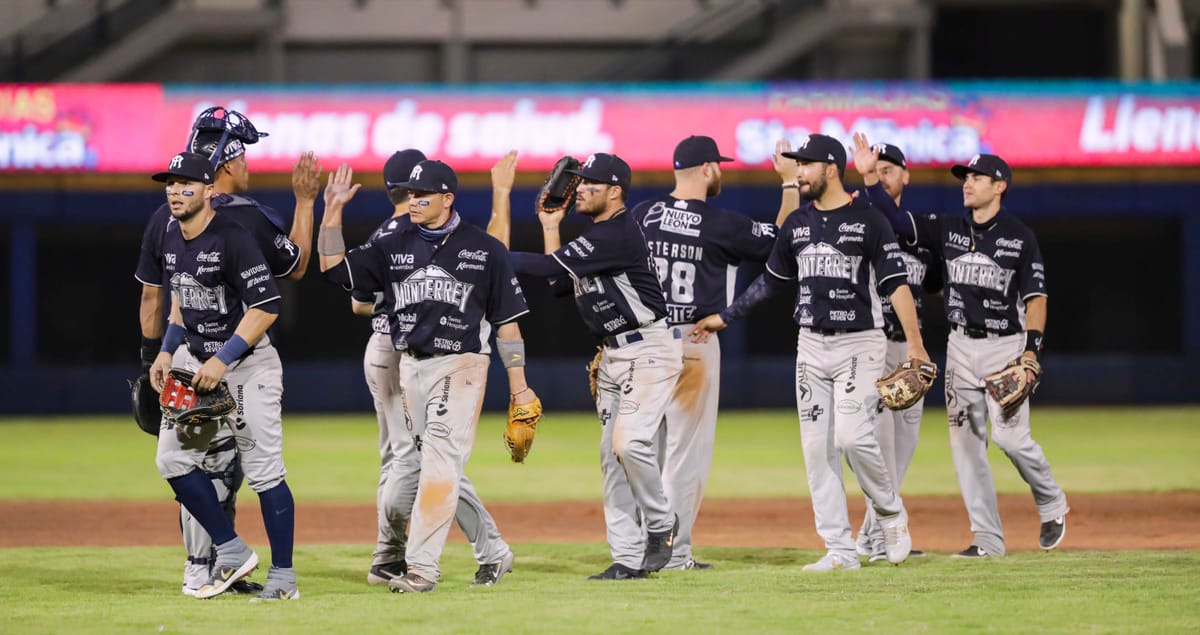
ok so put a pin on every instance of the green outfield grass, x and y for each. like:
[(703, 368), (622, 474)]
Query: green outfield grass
[(334, 458), (81, 592)]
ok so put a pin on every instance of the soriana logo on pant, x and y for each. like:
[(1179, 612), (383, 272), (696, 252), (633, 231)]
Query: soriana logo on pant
[(130, 128)]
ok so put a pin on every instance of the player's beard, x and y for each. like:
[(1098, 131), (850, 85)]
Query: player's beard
[(816, 189), (191, 207)]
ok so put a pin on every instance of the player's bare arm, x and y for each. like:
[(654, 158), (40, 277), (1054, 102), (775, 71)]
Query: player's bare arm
[(1035, 320), (518, 389), (339, 190), (550, 223), (150, 311), (906, 311), (504, 173), (789, 200), (306, 183), (251, 328)]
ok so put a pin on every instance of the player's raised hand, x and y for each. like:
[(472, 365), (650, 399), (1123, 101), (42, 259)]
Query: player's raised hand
[(706, 327), (865, 157), (549, 219), (306, 177), (505, 172), (340, 189), (158, 371), (786, 168), (209, 375)]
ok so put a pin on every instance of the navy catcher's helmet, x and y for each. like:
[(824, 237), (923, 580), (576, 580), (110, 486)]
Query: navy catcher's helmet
[(222, 138)]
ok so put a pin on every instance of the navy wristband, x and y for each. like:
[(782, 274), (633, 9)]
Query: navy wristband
[(234, 348), (172, 338)]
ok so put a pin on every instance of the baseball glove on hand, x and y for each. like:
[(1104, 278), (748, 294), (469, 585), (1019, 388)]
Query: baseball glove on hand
[(522, 425), (558, 192), (182, 404), (1011, 387), (904, 387), (593, 369)]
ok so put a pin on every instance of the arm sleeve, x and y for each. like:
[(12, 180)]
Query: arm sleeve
[(149, 268), (539, 265), (749, 239), (249, 272), (762, 289), (1033, 271), (916, 229), (506, 302)]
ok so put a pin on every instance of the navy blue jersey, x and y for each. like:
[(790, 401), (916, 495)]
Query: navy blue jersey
[(214, 278), (262, 222), (616, 283), (991, 269), (442, 297), (844, 259), (380, 318), (917, 259), (696, 250)]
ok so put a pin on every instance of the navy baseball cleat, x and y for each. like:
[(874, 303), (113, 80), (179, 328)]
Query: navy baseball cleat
[(619, 572), (1053, 532), (659, 545), (381, 574)]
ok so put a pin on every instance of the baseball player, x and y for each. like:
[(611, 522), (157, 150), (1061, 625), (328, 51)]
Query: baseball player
[(885, 172), (846, 259), (696, 250), (223, 300), (223, 141), (447, 285), (996, 305), (400, 460), (621, 302)]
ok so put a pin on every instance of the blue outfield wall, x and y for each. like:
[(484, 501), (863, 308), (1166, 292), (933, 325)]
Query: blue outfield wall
[(29, 385)]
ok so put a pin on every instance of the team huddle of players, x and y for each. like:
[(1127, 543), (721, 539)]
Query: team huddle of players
[(652, 283)]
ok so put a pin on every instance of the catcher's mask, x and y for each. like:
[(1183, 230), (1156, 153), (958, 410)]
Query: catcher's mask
[(222, 138)]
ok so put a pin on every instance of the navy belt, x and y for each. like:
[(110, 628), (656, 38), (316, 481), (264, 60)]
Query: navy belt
[(632, 337)]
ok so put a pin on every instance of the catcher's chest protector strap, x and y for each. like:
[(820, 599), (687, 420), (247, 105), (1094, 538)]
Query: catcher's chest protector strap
[(177, 395)]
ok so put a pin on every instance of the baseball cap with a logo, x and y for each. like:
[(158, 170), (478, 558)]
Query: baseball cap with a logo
[(605, 168), (890, 153), (399, 166), (821, 148), (697, 150), (431, 176), (985, 164), (188, 166)]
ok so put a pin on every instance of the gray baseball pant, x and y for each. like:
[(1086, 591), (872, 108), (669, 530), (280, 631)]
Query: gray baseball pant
[(969, 409)]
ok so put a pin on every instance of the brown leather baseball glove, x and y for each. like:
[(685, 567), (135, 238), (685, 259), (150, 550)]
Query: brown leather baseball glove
[(521, 428), (1011, 386), (907, 384)]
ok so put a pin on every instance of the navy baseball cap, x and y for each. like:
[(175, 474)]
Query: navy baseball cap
[(609, 169), (431, 176), (189, 166), (399, 166), (697, 150), (890, 153), (820, 148), (985, 164)]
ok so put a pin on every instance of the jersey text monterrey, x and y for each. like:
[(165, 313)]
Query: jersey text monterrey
[(441, 297), (616, 283), (696, 250), (840, 259), (213, 279), (991, 269)]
